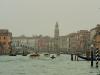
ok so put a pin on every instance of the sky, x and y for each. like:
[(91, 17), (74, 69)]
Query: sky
[(34, 17)]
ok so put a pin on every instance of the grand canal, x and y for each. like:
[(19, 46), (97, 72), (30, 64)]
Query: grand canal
[(61, 65)]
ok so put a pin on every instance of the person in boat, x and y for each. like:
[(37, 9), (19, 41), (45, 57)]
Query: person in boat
[(52, 57)]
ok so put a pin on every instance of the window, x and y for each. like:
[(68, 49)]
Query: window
[(4, 37), (4, 43)]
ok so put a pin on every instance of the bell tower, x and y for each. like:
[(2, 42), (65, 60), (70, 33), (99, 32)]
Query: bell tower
[(56, 39), (56, 33)]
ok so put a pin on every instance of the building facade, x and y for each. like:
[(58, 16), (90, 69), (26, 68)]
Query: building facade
[(5, 41), (84, 39), (23, 42), (95, 36), (63, 44), (43, 44), (72, 42), (78, 42)]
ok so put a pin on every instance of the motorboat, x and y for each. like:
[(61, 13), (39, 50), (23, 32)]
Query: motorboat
[(53, 57), (46, 54)]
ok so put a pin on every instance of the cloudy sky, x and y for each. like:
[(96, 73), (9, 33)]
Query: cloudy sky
[(31, 17)]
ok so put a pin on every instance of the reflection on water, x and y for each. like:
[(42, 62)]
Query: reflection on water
[(61, 65)]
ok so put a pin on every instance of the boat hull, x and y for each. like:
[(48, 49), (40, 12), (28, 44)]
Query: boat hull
[(88, 58)]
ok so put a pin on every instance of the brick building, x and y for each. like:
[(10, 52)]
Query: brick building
[(63, 43), (78, 42), (72, 42), (5, 41), (95, 36), (84, 39), (42, 43)]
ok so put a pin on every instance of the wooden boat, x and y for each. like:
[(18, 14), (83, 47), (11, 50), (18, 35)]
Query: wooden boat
[(34, 55), (88, 58)]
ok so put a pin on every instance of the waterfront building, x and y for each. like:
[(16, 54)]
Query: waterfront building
[(63, 43), (51, 45), (42, 43), (95, 36), (23, 42), (84, 39), (78, 42), (72, 42), (5, 41)]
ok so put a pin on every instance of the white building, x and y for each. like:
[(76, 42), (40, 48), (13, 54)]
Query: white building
[(23, 41)]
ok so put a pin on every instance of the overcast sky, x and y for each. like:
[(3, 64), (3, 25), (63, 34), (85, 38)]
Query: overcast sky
[(31, 17)]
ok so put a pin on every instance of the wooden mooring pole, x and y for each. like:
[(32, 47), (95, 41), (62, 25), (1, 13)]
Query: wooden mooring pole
[(97, 57), (71, 57), (91, 58), (92, 47)]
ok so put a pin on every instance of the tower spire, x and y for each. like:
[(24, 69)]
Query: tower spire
[(56, 39), (56, 33)]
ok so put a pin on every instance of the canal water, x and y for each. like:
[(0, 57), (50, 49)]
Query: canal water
[(61, 65)]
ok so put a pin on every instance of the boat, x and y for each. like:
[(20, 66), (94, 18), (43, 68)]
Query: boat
[(34, 55), (52, 57), (46, 54), (88, 58), (12, 54)]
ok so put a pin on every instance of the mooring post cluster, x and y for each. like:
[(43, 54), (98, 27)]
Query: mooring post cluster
[(71, 57), (74, 57), (94, 57)]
